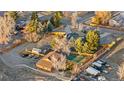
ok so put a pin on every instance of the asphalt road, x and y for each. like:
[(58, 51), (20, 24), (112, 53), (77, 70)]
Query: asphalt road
[(111, 31), (87, 16)]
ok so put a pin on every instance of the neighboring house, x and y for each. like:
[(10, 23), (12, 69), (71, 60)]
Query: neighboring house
[(119, 19), (113, 23)]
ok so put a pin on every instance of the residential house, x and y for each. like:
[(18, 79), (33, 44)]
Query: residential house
[(53, 60), (44, 64)]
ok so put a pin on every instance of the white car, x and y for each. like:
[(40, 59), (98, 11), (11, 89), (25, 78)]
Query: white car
[(101, 78), (97, 64)]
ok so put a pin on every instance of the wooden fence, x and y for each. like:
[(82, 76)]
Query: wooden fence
[(94, 57)]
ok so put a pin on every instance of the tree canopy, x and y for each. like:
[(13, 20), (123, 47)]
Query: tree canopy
[(79, 45), (55, 19), (33, 24), (90, 45), (13, 14), (33, 29), (7, 28)]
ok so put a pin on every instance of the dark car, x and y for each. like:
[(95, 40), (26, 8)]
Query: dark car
[(24, 55), (31, 56), (36, 57), (45, 49), (103, 62), (18, 28), (76, 79), (98, 68), (74, 35)]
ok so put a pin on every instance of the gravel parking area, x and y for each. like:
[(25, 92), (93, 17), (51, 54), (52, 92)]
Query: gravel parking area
[(22, 74), (12, 58), (18, 68)]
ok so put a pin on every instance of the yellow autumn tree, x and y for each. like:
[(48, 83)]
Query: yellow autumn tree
[(101, 17), (55, 19), (32, 29)]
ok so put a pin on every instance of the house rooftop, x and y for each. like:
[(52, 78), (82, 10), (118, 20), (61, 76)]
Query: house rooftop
[(44, 64)]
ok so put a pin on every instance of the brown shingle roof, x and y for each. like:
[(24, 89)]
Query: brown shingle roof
[(44, 64)]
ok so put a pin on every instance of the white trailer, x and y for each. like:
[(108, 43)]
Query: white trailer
[(92, 71)]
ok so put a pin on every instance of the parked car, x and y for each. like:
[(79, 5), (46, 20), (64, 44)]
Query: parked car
[(70, 35), (101, 78), (36, 50), (36, 57), (76, 79), (45, 49), (97, 64), (105, 71), (31, 56), (98, 68), (102, 62), (93, 79), (82, 79), (24, 55)]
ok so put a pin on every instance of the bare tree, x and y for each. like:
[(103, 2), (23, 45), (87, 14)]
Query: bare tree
[(74, 20), (75, 69), (121, 71), (32, 37), (7, 27), (59, 61), (103, 16), (61, 44)]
